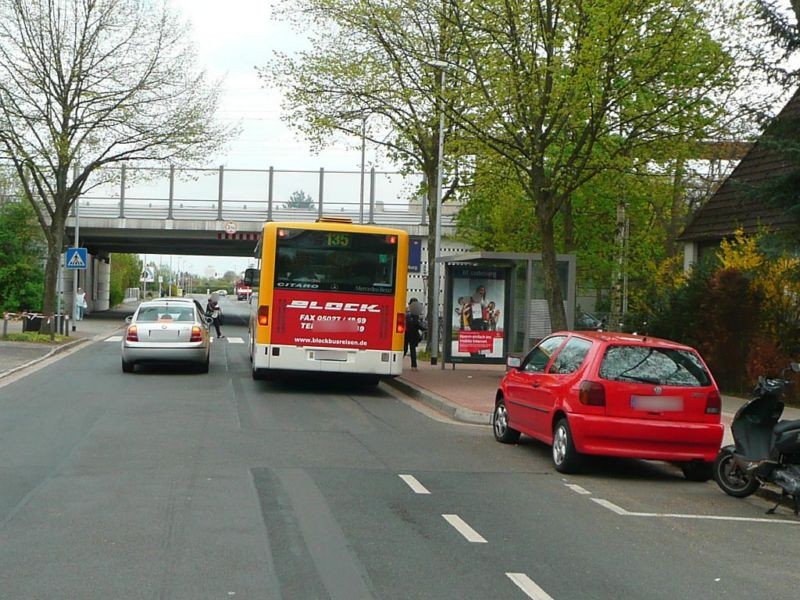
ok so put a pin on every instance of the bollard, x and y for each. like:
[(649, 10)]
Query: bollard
[(66, 326)]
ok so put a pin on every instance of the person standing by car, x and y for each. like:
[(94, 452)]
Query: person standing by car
[(414, 328), (214, 310)]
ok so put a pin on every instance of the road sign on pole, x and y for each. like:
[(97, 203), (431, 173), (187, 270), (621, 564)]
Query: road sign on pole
[(230, 227), (147, 276), (77, 258)]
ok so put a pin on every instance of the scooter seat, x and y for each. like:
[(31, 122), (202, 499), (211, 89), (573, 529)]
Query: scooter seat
[(784, 426)]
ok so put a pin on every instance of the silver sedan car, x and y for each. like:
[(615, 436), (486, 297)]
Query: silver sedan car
[(167, 330)]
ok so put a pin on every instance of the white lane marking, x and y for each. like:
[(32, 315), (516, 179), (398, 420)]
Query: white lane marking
[(527, 585), (468, 532), (415, 485), (610, 506), (625, 513), (235, 340), (114, 338), (578, 489)]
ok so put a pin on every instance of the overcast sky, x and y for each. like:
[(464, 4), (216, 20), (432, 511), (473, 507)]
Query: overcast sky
[(232, 38)]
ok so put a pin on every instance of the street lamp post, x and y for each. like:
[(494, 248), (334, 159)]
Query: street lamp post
[(75, 272), (437, 244)]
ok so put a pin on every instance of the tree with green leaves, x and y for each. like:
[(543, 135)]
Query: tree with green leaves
[(300, 200), (563, 91), (125, 271), (371, 71), (22, 252), (84, 84)]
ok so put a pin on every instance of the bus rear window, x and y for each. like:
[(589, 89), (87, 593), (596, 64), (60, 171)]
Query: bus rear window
[(336, 261)]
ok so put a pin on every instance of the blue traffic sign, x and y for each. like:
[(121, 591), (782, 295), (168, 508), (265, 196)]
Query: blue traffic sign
[(77, 258)]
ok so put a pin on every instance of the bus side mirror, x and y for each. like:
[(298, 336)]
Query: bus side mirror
[(251, 277)]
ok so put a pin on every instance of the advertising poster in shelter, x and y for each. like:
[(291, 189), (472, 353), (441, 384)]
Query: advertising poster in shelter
[(478, 299)]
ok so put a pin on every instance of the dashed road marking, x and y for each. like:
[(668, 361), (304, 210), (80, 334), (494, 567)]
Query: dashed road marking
[(415, 485), (527, 585), (626, 513), (114, 338), (578, 489), (468, 532), (235, 340)]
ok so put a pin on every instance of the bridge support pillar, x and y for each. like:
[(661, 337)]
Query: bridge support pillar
[(102, 281)]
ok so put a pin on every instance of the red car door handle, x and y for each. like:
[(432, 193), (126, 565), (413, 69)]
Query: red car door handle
[(535, 384)]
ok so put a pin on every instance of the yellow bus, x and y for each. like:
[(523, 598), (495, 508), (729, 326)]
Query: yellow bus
[(328, 297)]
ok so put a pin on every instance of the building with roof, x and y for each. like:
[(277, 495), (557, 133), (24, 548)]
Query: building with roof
[(734, 205)]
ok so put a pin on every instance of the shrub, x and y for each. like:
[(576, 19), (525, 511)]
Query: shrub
[(731, 310)]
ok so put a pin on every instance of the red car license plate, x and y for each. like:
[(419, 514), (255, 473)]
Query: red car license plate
[(657, 403)]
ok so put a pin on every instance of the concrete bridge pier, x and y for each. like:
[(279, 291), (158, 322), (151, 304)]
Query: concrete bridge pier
[(102, 278)]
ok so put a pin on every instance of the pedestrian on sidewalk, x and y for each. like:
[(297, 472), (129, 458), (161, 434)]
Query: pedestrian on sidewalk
[(80, 304), (414, 329), (214, 310)]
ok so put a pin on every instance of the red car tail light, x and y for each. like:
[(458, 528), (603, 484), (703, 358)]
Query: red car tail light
[(401, 323), (197, 334), (263, 315), (133, 334), (592, 393), (713, 403)]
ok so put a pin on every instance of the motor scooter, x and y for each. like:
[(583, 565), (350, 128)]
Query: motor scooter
[(765, 450)]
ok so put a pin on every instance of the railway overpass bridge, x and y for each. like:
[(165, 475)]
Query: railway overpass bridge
[(220, 212)]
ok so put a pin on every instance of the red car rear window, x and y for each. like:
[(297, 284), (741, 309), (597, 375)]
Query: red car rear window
[(653, 364)]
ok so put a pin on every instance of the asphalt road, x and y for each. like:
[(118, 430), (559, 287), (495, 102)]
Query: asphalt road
[(168, 484)]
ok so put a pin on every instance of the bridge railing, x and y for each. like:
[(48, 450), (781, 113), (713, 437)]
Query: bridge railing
[(380, 197)]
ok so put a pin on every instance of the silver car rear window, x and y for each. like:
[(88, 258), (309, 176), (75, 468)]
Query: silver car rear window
[(166, 313), (651, 364)]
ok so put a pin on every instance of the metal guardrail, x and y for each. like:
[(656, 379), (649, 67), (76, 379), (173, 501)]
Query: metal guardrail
[(258, 195)]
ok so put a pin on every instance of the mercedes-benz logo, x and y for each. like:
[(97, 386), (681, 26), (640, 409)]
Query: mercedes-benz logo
[(657, 390)]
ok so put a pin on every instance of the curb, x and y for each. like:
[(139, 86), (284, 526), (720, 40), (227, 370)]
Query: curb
[(53, 352), (444, 406), (59, 349)]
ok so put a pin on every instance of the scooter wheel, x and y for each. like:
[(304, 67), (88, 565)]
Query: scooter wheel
[(730, 478)]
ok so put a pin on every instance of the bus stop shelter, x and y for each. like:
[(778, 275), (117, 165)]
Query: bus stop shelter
[(494, 304)]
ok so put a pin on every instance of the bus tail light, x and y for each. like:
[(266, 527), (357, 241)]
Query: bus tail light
[(401, 322), (263, 315), (197, 334), (132, 335)]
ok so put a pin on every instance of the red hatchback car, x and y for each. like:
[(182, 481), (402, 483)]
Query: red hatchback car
[(613, 394)]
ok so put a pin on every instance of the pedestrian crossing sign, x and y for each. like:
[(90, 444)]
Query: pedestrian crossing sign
[(77, 258)]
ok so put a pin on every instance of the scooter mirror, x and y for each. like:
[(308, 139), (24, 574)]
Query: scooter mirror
[(795, 367)]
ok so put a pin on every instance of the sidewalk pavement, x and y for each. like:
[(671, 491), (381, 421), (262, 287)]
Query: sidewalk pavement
[(15, 356)]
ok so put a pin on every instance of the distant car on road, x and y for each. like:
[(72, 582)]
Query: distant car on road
[(613, 394), (242, 290), (221, 292), (167, 330)]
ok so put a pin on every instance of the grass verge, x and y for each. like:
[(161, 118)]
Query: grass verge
[(34, 337)]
